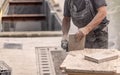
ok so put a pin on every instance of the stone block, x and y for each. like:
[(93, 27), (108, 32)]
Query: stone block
[(103, 56), (74, 44)]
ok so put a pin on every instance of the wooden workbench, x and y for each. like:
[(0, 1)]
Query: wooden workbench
[(75, 64)]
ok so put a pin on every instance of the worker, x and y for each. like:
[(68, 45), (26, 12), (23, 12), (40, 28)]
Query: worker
[(90, 18)]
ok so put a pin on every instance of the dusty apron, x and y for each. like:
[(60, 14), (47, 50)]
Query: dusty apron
[(81, 18), (98, 38)]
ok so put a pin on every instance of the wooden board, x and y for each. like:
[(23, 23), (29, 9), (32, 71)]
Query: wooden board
[(75, 63), (102, 56), (74, 44)]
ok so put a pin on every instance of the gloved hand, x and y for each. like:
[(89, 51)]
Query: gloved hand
[(64, 44)]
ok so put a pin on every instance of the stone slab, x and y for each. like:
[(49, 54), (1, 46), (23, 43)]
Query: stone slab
[(58, 57), (102, 56), (75, 63), (74, 44)]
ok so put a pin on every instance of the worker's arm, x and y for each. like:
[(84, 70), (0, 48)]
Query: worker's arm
[(102, 12), (65, 27)]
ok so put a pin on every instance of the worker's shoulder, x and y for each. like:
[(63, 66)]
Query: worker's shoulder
[(98, 1), (67, 0)]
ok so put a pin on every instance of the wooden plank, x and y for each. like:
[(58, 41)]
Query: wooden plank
[(74, 44), (102, 56), (26, 2), (23, 17)]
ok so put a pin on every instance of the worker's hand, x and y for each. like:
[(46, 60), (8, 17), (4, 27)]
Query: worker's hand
[(81, 33), (64, 37)]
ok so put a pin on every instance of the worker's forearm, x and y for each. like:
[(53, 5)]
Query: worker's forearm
[(96, 21), (65, 26)]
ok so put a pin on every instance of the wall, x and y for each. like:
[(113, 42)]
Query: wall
[(114, 26)]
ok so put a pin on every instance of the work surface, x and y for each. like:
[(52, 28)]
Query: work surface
[(75, 63)]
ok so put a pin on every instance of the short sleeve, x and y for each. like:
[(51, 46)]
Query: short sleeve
[(66, 9), (99, 3)]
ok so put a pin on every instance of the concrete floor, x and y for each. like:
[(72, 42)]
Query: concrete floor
[(31, 43), (23, 61)]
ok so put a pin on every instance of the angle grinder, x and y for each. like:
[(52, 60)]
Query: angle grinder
[(64, 45)]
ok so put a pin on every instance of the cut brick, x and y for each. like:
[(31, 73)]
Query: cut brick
[(102, 56)]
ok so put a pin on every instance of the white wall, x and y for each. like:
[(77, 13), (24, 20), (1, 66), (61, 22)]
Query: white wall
[(114, 26)]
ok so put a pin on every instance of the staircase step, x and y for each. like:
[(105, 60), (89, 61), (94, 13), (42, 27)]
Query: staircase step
[(32, 34), (26, 2), (23, 17)]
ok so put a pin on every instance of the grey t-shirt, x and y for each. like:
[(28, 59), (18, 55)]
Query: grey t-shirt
[(80, 4)]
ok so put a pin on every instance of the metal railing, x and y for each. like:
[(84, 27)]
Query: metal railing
[(3, 10)]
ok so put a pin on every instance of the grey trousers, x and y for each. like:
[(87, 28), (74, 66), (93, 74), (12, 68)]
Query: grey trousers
[(97, 39)]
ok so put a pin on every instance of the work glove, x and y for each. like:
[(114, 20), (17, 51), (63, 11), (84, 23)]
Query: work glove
[(64, 44)]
